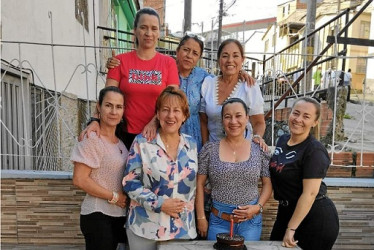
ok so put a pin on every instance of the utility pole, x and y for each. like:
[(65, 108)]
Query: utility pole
[(310, 27), (187, 15), (220, 22), (211, 48)]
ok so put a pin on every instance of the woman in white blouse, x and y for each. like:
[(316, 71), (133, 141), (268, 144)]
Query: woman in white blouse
[(215, 90)]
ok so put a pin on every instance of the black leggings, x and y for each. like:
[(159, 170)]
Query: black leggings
[(103, 232), (318, 230)]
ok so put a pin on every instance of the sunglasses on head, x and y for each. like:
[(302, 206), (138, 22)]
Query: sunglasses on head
[(317, 99), (190, 34)]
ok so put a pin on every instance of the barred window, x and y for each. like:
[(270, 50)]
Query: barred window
[(364, 29)]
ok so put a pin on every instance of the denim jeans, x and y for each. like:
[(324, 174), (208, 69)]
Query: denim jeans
[(250, 229)]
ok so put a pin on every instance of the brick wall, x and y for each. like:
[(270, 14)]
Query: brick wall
[(326, 118), (301, 4), (282, 114), (158, 5), (46, 211), (348, 164), (40, 211)]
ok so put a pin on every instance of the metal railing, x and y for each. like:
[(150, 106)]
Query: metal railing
[(282, 81)]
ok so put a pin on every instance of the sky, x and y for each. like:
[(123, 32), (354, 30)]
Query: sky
[(205, 10)]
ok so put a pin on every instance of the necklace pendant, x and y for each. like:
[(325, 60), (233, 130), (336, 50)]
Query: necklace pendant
[(234, 153)]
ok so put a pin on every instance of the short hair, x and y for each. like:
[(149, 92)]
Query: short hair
[(105, 90), (228, 41), (172, 91), (234, 100), (195, 38), (148, 11), (311, 100)]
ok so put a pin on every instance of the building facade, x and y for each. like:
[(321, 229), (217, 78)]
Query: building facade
[(53, 65)]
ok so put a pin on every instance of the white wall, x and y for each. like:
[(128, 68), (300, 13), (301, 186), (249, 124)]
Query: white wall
[(28, 21), (370, 64), (280, 43)]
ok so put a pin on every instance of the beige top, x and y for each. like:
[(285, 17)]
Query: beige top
[(107, 161)]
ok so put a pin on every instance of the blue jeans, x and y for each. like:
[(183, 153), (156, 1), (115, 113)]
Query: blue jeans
[(250, 229)]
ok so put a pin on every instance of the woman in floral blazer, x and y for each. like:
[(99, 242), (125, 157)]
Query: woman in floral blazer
[(160, 178)]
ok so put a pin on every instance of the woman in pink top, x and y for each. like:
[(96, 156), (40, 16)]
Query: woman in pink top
[(98, 169), (142, 76)]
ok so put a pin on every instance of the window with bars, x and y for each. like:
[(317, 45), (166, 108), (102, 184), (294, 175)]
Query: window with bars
[(365, 30), (45, 127), (15, 129), (29, 126)]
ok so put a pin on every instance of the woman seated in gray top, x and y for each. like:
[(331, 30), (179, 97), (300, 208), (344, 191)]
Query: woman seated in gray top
[(233, 166)]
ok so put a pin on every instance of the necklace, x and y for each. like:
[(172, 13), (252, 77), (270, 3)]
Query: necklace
[(237, 145), (170, 146)]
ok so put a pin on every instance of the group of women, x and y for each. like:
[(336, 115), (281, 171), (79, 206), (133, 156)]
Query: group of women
[(186, 128)]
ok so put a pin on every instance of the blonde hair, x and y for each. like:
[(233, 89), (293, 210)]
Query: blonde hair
[(171, 91)]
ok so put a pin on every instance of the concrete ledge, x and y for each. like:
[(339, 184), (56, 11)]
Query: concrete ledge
[(65, 175), (30, 174), (349, 182)]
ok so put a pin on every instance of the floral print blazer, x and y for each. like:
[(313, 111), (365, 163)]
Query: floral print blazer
[(151, 177)]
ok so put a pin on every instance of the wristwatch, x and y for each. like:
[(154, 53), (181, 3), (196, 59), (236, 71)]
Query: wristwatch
[(261, 207), (92, 119)]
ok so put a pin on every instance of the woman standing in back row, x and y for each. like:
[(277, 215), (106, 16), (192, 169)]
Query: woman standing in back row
[(142, 75), (215, 90), (306, 216)]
